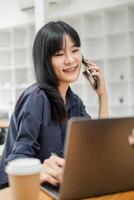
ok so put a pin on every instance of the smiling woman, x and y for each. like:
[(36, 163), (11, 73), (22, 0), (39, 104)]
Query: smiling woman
[(38, 124), (57, 47)]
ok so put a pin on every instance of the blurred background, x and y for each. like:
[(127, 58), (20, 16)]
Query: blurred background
[(106, 29)]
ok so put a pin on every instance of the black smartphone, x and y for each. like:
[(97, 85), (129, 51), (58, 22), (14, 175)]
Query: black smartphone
[(93, 79)]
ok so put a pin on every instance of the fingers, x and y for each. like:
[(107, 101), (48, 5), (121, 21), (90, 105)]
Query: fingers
[(94, 67), (45, 177), (98, 74), (55, 161), (60, 161), (53, 170), (95, 70)]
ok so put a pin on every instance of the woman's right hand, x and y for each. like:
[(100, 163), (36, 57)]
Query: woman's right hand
[(52, 170)]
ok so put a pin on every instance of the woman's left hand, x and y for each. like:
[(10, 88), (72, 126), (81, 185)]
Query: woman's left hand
[(101, 91), (101, 87)]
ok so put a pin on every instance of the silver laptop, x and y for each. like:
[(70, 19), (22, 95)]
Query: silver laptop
[(99, 158)]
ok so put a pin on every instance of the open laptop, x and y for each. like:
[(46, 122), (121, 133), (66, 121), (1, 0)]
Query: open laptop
[(99, 158)]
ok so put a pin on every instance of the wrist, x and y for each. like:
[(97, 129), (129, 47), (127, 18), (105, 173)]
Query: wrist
[(103, 106), (103, 97)]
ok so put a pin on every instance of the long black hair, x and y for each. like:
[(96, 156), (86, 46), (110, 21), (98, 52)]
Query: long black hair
[(48, 41)]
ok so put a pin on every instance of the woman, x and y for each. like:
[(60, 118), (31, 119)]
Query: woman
[(38, 123)]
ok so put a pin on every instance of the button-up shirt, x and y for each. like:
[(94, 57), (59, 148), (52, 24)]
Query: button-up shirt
[(33, 132)]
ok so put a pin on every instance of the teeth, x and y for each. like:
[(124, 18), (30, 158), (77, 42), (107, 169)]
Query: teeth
[(70, 69)]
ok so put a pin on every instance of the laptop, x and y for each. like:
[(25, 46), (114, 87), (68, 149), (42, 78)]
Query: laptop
[(99, 157)]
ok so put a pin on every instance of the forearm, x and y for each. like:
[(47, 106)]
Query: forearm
[(103, 106)]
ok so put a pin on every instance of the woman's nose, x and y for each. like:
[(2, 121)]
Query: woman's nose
[(69, 59)]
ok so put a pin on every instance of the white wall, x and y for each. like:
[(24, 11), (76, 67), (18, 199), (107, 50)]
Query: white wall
[(10, 14), (78, 6)]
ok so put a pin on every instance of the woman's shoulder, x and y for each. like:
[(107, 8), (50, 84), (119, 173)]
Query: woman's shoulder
[(34, 91), (32, 100), (33, 94)]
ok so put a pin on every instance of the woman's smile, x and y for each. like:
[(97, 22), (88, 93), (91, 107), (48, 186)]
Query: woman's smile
[(70, 70)]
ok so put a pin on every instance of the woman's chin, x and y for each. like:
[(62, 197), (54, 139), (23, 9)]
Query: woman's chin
[(71, 79)]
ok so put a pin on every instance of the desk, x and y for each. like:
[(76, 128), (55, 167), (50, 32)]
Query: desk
[(5, 195), (4, 123)]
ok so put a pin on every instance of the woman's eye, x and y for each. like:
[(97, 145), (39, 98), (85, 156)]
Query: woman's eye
[(59, 54), (75, 50)]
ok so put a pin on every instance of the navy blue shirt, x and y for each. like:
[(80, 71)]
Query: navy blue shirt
[(32, 131)]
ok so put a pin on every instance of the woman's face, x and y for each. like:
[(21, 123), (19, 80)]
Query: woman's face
[(67, 62)]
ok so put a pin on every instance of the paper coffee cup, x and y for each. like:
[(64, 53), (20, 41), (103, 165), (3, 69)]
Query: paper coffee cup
[(23, 176)]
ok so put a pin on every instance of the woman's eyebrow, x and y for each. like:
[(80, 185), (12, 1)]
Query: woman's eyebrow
[(74, 45)]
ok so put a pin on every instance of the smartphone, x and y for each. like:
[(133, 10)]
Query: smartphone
[(93, 79)]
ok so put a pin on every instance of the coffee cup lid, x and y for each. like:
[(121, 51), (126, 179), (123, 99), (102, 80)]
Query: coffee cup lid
[(24, 166)]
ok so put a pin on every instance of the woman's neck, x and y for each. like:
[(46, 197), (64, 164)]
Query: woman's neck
[(63, 90)]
